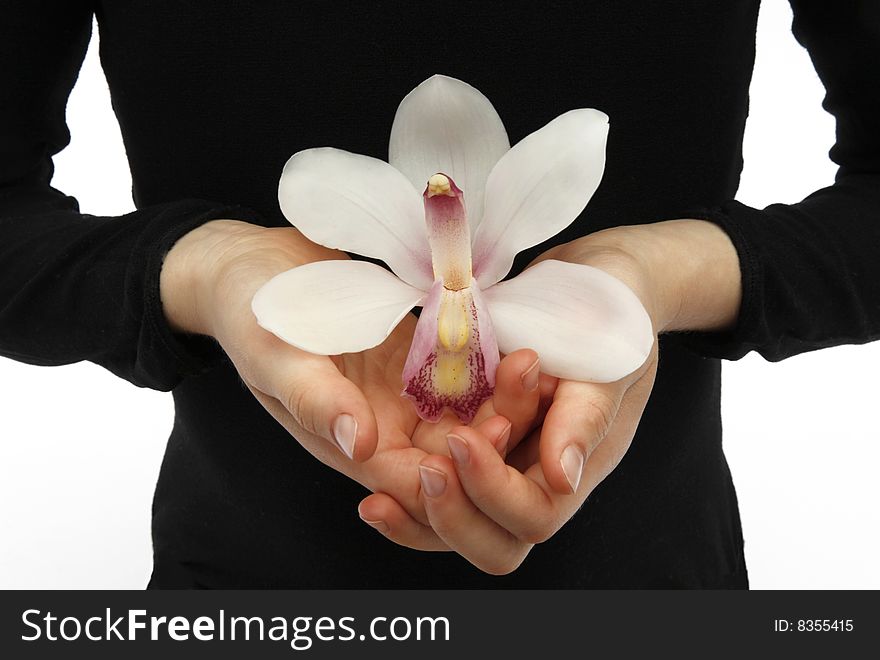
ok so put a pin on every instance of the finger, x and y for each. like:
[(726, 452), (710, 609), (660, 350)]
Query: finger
[(578, 420), (606, 457), (527, 452), (510, 498), (547, 389), (517, 393), (319, 398), (382, 512), (461, 525), (497, 430), (583, 414), (431, 438)]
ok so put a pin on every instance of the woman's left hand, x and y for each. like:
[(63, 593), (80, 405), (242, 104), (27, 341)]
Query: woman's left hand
[(493, 508)]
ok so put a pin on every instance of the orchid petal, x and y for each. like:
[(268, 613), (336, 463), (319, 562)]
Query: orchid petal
[(584, 324), (358, 204), (333, 307), (538, 188), (460, 379), (445, 125)]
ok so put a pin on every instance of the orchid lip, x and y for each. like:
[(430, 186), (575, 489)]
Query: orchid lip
[(454, 355)]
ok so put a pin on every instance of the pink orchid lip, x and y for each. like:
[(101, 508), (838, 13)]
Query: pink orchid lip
[(456, 371), (454, 354)]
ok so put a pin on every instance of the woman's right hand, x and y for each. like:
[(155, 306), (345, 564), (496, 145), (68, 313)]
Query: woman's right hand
[(345, 410)]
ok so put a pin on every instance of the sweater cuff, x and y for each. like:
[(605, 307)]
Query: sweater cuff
[(165, 357), (749, 331)]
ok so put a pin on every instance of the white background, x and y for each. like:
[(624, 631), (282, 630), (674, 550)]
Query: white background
[(80, 449)]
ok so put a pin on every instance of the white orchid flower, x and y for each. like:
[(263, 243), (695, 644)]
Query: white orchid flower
[(449, 247)]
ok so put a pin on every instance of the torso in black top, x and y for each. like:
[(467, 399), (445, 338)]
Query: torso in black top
[(214, 98)]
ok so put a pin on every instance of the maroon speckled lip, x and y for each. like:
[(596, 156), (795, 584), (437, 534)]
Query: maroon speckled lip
[(429, 402)]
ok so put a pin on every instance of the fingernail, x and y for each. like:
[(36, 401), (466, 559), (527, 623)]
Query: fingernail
[(502, 439), (433, 481), (378, 525), (459, 449), (345, 429), (572, 465), (529, 378)]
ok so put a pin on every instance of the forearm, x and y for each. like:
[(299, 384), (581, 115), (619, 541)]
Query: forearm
[(86, 288)]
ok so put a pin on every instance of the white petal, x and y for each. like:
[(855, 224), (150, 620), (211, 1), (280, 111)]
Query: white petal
[(333, 307), (584, 324), (358, 204), (445, 125), (538, 188)]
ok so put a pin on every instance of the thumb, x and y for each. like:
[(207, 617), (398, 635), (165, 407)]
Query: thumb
[(579, 418), (321, 401)]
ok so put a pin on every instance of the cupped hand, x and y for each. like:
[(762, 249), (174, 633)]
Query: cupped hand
[(345, 410), (492, 511)]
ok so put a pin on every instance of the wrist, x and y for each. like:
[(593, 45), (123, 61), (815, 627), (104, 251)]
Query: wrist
[(698, 265), (686, 272), (210, 275), (186, 273)]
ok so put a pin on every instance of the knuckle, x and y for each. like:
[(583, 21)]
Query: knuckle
[(243, 361), (535, 536), (298, 402), (613, 461), (538, 532), (294, 401), (247, 356), (615, 457), (443, 526), (498, 569), (503, 565), (598, 414)]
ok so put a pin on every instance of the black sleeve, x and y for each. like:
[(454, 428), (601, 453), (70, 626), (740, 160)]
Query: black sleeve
[(811, 271), (73, 286)]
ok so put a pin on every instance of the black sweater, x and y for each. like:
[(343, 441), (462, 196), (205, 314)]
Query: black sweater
[(214, 96)]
